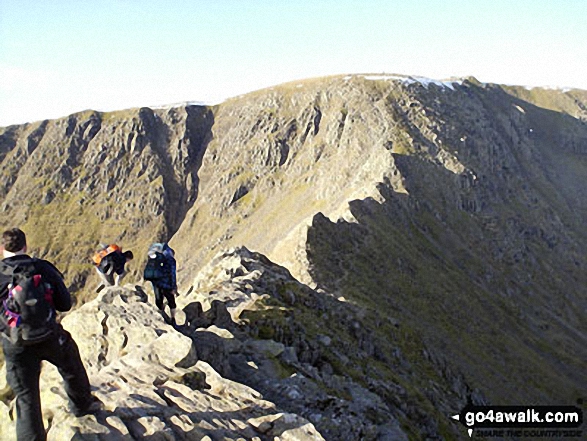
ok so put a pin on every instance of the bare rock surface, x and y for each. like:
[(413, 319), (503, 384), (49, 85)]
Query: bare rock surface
[(151, 383)]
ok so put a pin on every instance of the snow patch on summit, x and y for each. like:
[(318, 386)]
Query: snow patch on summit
[(445, 84)]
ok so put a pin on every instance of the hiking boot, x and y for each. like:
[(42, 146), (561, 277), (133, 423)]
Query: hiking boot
[(95, 406)]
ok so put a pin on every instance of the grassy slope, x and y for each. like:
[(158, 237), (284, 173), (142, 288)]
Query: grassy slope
[(496, 302)]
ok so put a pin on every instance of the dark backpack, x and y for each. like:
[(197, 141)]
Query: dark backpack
[(27, 314), (112, 263), (156, 268)]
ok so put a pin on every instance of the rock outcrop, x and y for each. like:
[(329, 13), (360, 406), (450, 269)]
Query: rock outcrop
[(152, 381), (240, 364)]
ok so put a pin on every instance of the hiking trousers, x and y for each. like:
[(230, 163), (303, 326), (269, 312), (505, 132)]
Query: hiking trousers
[(23, 368), (112, 279), (164, 293)]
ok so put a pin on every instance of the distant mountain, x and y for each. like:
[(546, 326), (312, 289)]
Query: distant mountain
[(448, 215)]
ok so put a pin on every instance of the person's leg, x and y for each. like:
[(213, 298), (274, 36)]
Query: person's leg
[(158, 297), (118, 277), (62, 351), (107, 280), (170, 296), (23, 368)]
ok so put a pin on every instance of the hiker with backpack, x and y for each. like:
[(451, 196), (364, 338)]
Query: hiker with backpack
[(109, 262), (160, 271), (31, 291)]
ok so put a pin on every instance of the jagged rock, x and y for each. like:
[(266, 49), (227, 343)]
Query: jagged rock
[(195, 317), (284, 370), (7, 425), (152, 380), (219, 315), (212, 349), (289, 355), (325, 340), (290, 427), (273, 348)]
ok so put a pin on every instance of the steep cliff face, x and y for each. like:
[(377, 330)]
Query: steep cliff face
[(277, 158), (449, 214), (128, 177), (466, 220), (485, 251)]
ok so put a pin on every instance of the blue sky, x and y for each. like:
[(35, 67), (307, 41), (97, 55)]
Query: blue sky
[(58, 57)]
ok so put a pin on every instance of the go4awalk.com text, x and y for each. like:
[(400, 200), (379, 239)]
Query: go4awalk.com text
[(522, 421)]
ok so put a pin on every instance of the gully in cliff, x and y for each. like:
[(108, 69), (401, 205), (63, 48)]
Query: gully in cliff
[(31, 291)]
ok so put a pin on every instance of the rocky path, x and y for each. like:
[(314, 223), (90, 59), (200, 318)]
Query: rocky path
[(234, 368)]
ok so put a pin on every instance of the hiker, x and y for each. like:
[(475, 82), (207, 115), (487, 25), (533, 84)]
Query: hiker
[(31, 334), (160, 271), (109, 262)]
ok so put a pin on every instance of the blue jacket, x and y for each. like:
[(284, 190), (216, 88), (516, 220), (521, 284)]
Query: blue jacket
[(170, 281)]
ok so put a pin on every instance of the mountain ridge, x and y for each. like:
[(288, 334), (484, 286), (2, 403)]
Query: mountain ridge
[(451, 216)]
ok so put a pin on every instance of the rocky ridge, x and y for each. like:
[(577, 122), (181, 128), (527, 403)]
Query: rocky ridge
[(241, 364), (449, 214)]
